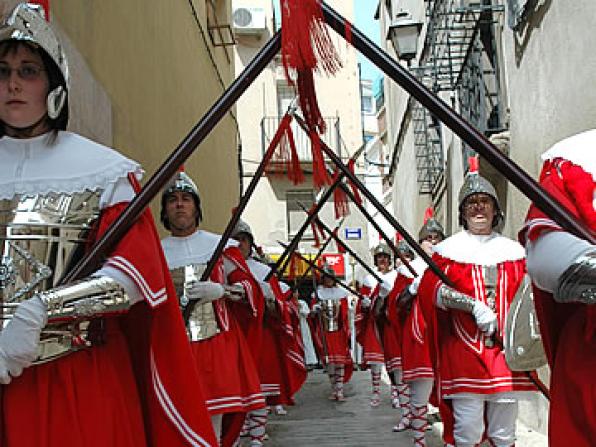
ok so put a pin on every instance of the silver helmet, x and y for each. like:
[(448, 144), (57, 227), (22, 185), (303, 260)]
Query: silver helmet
[(181, 182), (431, 226), (476, 184), (242, 227), (26, 23), (327, 270), (382, 249), (405, 249)]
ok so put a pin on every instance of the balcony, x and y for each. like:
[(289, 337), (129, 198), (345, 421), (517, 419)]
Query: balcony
[(331, 137)]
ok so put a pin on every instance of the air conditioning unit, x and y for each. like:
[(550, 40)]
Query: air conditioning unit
[(248, 20)]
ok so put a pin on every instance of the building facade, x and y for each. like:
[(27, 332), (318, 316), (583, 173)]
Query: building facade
[(274, 211)]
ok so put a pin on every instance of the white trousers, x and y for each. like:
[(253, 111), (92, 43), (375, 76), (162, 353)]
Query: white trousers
[(216, 422), (469, 414), (310, 358)]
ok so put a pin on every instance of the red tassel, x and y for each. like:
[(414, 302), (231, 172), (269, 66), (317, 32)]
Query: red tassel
[(315, 234), (307, 96), (285, 158), (355, 191), (306, 43), (340, 200), (398, 237), (340, 247), (306, 47), (320, 177)]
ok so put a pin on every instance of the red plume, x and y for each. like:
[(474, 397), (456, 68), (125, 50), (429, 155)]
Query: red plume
[(46, 7), (429, 213), (398, 237), (473, 165)]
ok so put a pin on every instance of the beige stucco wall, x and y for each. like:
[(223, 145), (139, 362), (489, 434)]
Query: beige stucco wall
[(337, 96), (156, 69)]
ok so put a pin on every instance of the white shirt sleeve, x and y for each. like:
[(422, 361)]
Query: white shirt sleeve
[(129, 286), (550, 255)]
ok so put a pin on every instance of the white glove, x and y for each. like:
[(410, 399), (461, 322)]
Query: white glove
[(204, 291), (19, 340), (316, 307), (365, 302), (267, 291), (413, 287), (385, 288), (485, 318)]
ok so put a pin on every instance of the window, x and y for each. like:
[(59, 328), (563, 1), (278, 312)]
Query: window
[(367, 104), (295, 214)]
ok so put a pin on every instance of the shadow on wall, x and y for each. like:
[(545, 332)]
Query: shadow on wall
[(533, 21)]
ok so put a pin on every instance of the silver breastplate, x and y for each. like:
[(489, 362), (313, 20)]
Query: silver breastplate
[(41, 237), (330, 314), (202, 323)]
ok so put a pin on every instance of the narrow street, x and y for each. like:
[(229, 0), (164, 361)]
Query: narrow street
[(316, 421)]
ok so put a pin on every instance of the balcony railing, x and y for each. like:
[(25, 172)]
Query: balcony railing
[(331, 137)]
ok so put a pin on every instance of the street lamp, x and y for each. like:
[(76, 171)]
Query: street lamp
[(403, 33)]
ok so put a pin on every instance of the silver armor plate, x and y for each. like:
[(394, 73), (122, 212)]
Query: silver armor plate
[(522, 342), (41, 238), (330, 314), (202, 323)]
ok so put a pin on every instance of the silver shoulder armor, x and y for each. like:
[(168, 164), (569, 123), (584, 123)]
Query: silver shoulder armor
[(577, 284), (91, 297)]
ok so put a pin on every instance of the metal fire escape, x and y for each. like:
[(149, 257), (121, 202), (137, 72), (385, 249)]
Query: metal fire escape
[(427, 143), (459, 56)]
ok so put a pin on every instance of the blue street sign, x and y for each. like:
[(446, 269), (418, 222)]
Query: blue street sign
[(353, 233)]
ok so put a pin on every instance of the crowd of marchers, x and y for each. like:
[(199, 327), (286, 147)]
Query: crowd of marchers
[(165, 344)]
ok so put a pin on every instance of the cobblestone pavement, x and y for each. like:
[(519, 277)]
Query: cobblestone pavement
[(316, 421)]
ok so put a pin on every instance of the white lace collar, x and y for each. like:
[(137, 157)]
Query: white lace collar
[(579, 149), (371, 281), (468, 248), (72, 164), (331, 293), (194, 249)]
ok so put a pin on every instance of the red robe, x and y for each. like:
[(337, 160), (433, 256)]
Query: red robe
[(335, 344), (282, 356), (393, 327), (367, 332), (139, 388), (461, 361), (568, 330)]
